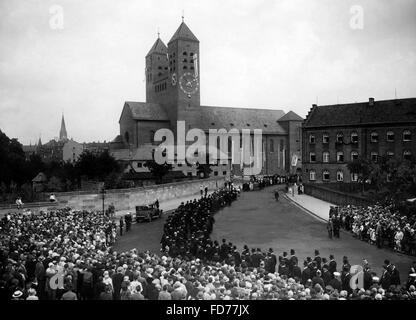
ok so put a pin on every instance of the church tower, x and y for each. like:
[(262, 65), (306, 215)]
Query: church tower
[(156, 72), (183, 101), (62, 133)]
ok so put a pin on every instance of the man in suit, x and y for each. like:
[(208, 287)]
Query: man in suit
[(332, 264), (317, 259), (336, 282), (293, 261)]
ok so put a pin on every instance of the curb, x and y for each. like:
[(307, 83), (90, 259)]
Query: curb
[(305, 209)]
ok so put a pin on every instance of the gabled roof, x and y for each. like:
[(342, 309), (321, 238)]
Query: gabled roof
[(241, 118), (386, 111), (291, 116), (183, 33), (145, 111), (158, 47)]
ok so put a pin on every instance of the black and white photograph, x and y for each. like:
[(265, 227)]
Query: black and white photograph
[(207, 153)]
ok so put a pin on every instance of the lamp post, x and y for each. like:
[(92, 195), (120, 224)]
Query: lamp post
[(103, 196)]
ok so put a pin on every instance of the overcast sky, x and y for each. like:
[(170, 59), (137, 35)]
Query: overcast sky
[(260, 54)]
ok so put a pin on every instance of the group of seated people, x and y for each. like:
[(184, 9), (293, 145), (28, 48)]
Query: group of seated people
[(68, 255), (383, 226)]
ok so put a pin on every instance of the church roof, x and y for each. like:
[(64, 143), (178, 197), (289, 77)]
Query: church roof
[(183, 33), (291, 116), (386, 111), (158, 47), (241, 118), (146, 111)]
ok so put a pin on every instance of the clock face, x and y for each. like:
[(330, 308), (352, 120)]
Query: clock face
[(174, 79), (188, 83)]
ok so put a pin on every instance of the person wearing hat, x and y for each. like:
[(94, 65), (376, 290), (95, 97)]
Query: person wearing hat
[(336, 282), (17, 295)]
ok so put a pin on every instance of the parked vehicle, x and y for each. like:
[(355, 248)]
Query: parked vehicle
[(147, 213)]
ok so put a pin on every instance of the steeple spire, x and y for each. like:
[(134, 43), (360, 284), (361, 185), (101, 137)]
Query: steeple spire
[(183, 15), (62, 133)]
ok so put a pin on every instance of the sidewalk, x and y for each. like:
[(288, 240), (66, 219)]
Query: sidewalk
[(313, 206)]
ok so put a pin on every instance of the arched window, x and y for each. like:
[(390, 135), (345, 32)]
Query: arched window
[(390, 136), (340, 137), (325, 157), (340, 156), (354, 155), (312, 175), (126, 137), (407, 155), (312, 139), (325, 138), (374, 137), (325, 175), (354, 137), (340, 176), (407, 135)]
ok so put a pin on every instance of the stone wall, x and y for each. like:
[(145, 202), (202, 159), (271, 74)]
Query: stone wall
[(335, 196), (127, 199)]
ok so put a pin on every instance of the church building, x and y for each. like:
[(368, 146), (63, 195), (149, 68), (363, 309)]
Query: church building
[(173, 94)]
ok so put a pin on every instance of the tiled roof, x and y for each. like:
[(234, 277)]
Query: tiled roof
[(241, 118), (386, 111), (147, 111), (183, 33), (158, 47), (291, 116)]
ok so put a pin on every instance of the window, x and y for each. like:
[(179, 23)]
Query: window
[(325, 175), (185, 53), (215, 173), (389, 177), (354, 155), (390, 154), (374, 156), (407, 155), (185, 67), (325, 138), (354, 177), (184, 61), (340, 176), (224, 173), (325, 157), (390, 136), (374, 137), (407, 135), (312, 157), (340, 137), (126, 137), (271, 146), (312, 175), (312, 139), (340, 156), (191, 54), (139, 165), (354, 137)]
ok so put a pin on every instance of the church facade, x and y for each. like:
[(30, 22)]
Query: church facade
[(173, 94)]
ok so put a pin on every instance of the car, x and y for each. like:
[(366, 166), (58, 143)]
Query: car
[(147, 213)]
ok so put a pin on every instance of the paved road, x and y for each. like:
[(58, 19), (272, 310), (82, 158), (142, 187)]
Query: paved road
[(257, 220)]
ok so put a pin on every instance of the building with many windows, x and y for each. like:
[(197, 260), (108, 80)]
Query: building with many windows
[(335, 135), (173, 94)]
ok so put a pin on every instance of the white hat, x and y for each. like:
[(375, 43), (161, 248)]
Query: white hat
[(337, 274)]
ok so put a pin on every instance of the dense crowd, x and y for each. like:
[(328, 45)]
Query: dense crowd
[(68, 255), (380, 225)]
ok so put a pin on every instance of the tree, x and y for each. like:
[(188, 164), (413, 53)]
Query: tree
[(158, 170), (96, 166), (55, 184), (361, 167)]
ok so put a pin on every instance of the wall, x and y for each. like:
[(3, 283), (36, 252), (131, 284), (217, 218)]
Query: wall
[(127, 199), (334, 196)]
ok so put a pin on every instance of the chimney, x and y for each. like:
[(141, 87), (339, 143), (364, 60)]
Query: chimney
[(314, 106), (371, 102)]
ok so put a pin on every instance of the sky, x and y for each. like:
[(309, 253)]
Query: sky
[(85, 58)]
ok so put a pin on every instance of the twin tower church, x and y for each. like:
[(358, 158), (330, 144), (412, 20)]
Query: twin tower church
[(173, 94)]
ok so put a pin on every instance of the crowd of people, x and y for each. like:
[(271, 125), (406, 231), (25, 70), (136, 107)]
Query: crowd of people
[(383, 226), (68, 255)]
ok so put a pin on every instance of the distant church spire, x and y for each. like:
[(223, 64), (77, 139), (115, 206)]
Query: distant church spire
[(62, 133), (183, 15)]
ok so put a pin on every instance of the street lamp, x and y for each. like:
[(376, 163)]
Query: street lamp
[(103, 196)]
